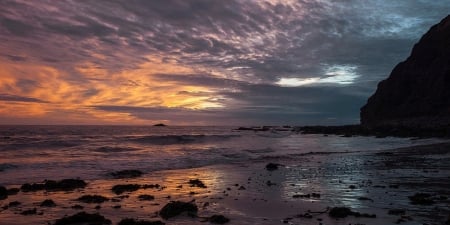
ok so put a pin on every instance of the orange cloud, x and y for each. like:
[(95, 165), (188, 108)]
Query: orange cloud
[(64, 98)]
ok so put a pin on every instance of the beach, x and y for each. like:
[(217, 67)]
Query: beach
[(377, 187)]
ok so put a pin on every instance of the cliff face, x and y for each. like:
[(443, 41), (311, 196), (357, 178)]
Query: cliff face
[(417, 92)]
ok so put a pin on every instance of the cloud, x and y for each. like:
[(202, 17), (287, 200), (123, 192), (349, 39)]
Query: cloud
[(252, 60), (15, 98)]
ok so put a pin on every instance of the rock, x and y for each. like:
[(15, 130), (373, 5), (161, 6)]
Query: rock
[(219, 219), (121, 188), (92, 199), (146, 197), (340, 212), (79, 207), (302, 196), (396, 212), (417, 93), (48, 203), (272, 166), (83, 218), (176, 208), (159, 125), (152, 186), (126, 174), (305, 215), (365, 199), (3, 193), (197, 183), (13, 191), (129, 221), (14, 204), (51, 185), (421, 199), (29, 212)]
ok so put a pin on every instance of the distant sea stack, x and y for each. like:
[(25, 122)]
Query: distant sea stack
[(417, 92)]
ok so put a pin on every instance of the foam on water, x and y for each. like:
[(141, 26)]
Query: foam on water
[(35, 153)]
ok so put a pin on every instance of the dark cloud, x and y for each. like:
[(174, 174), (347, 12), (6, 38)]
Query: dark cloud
[(15, 98), (252, 44), (16, 58)]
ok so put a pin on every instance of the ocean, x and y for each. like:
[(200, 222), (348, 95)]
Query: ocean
[(36, 153)]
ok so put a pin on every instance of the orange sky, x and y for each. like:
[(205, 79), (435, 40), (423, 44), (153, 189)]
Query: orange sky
[(233, 62)]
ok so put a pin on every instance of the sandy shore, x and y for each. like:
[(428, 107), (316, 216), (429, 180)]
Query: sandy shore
[(303, 190)]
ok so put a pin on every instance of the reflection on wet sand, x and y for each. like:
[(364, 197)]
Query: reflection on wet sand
[(300, 191)]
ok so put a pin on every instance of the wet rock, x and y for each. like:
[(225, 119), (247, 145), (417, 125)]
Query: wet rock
[(396, 212), (305, 215), (126, 174), (13, 191), (48, 203), (3, 193), (146, 197), (83, 218), (302, 196), (270, 183), (421, 199), (14, 204), (121, 188), (315, 195), (29, 212), (117, 207), (365, 199), (92, 199), (79, 207), (152, 186), (219, 219), (51, 185), (241, 188), (176, 208), (352, 186), (272, 166), (197, 183), (128, 221), (340, 212)]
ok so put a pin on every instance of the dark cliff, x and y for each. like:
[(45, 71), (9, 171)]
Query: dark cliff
[(417, 92)]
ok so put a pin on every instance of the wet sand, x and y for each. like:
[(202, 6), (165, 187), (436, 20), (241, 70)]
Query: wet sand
[(303, 190)]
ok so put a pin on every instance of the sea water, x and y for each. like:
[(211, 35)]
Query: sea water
[(36, 153)]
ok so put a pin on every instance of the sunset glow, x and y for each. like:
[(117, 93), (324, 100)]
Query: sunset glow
[(196, 62)]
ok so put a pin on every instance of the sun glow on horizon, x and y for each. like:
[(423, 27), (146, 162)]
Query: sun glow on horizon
[(51, 94)]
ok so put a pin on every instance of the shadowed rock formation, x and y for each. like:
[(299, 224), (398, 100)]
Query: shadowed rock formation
[(417, 92)]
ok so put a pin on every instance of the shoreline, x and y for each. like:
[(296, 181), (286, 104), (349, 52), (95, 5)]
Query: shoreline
[(246, 193)]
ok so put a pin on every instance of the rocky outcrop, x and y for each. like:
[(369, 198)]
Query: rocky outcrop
[(417, 92)]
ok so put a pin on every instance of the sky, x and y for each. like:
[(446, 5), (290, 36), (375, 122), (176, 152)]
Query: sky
[(201, 62)]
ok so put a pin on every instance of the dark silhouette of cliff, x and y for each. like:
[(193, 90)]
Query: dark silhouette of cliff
[(417, 92)]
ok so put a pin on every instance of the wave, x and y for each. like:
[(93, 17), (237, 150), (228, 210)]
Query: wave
[(180, 139), (107, 149), (25, 143), (6, 166)]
